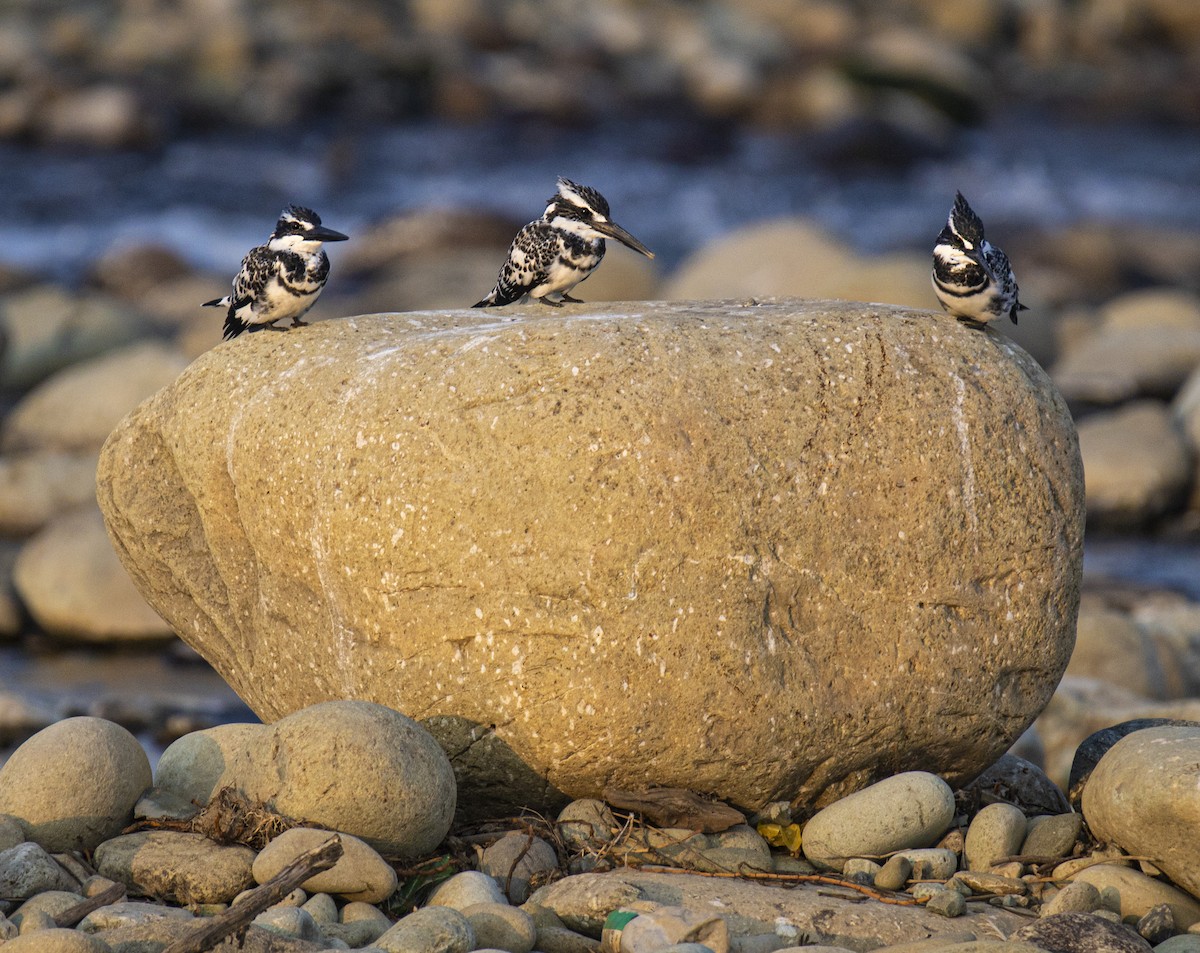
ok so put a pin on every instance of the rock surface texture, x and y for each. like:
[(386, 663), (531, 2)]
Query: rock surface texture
[(630, 537)]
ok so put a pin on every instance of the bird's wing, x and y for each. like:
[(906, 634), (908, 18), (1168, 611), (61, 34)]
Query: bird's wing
[(258, 267), (529, 259)]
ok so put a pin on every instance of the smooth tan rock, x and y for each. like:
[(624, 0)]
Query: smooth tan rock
[(74, 783), (46, 329), (909, 810), (540, 521), (1111, 646), (78, 407), (192, 766), (1082, 706), (1137, 893), (57, 941), (352, 766), (75, 586), (175, 865), (1137, 465), (36, 486), (996, 831), (360, 873), (1143, 796), (794, 257)]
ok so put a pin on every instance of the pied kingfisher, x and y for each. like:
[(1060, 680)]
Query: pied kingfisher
[(281, 279), (557, 251), (972, 277)]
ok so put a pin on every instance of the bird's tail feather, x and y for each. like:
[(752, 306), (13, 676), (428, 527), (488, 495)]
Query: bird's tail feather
[(233, 327), (217, 303)]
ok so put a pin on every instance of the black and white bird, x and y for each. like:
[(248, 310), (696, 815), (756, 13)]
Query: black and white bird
[(281, 279), (972, 278), (552, 254)]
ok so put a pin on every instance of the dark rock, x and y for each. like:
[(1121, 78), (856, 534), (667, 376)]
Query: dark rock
[(1081, 933)]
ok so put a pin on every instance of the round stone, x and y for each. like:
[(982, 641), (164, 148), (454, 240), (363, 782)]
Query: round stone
[(539, 522), (56, 941), (1075, 897), (466, 889), (355, 767), (996, 831), (501, 927), (429, 930), (186, 867), (74, 783), (517, 861), (360, 873), (1143, 797), (193, 765), (586, 824), (1081, 933), (904, 811)]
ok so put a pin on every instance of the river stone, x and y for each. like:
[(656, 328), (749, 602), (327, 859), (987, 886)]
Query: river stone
[(56, 940), (501, 927), (1051, 835), (536, 521), (74, 783), (1143, 797), (350, 766), (996, 831), (1081, 933), (37, 485), (905, 811), (1076, 897), (192, 766), (360, 873), (1137, 894), (27, 870), (75, 587), (430, 930), (185, 867), (517, 860), (465, 890), (77, 408)]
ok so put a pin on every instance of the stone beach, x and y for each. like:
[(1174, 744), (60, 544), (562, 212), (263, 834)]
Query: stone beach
[(745, 607)]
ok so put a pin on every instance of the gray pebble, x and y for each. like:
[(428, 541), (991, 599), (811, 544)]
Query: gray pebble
[(1081, 933), (551, 939), (464, 889), (1052, 835), (517, 861), (1076, 897), (52, 902), (430, 930), (894, 874), (26, 870), (586, 824), (289, 921), (931, 863), (742, 837), (130, 913), (861, 871), (908, 810), (947, 903), (1157, 924), (501, 927), (321, 908), (996, 831)]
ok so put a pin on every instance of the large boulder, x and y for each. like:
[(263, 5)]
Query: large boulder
[(766, 551)]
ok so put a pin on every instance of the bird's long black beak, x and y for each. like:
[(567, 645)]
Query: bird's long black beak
[(613, 230), (322, 234)]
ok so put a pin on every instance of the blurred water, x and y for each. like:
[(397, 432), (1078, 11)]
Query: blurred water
[(674, 184)]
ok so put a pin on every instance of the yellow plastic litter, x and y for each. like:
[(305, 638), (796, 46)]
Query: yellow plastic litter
[(779, 836)]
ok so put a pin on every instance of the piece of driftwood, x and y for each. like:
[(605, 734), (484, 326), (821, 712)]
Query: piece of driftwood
[(677, 807), (238, 916), (72, 915)]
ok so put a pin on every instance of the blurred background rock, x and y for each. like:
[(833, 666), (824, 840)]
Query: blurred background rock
[(762, 147)]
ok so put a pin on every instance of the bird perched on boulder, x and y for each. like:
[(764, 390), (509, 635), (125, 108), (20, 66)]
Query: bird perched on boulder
[(972, 278), (552, 254), (282, 278)]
